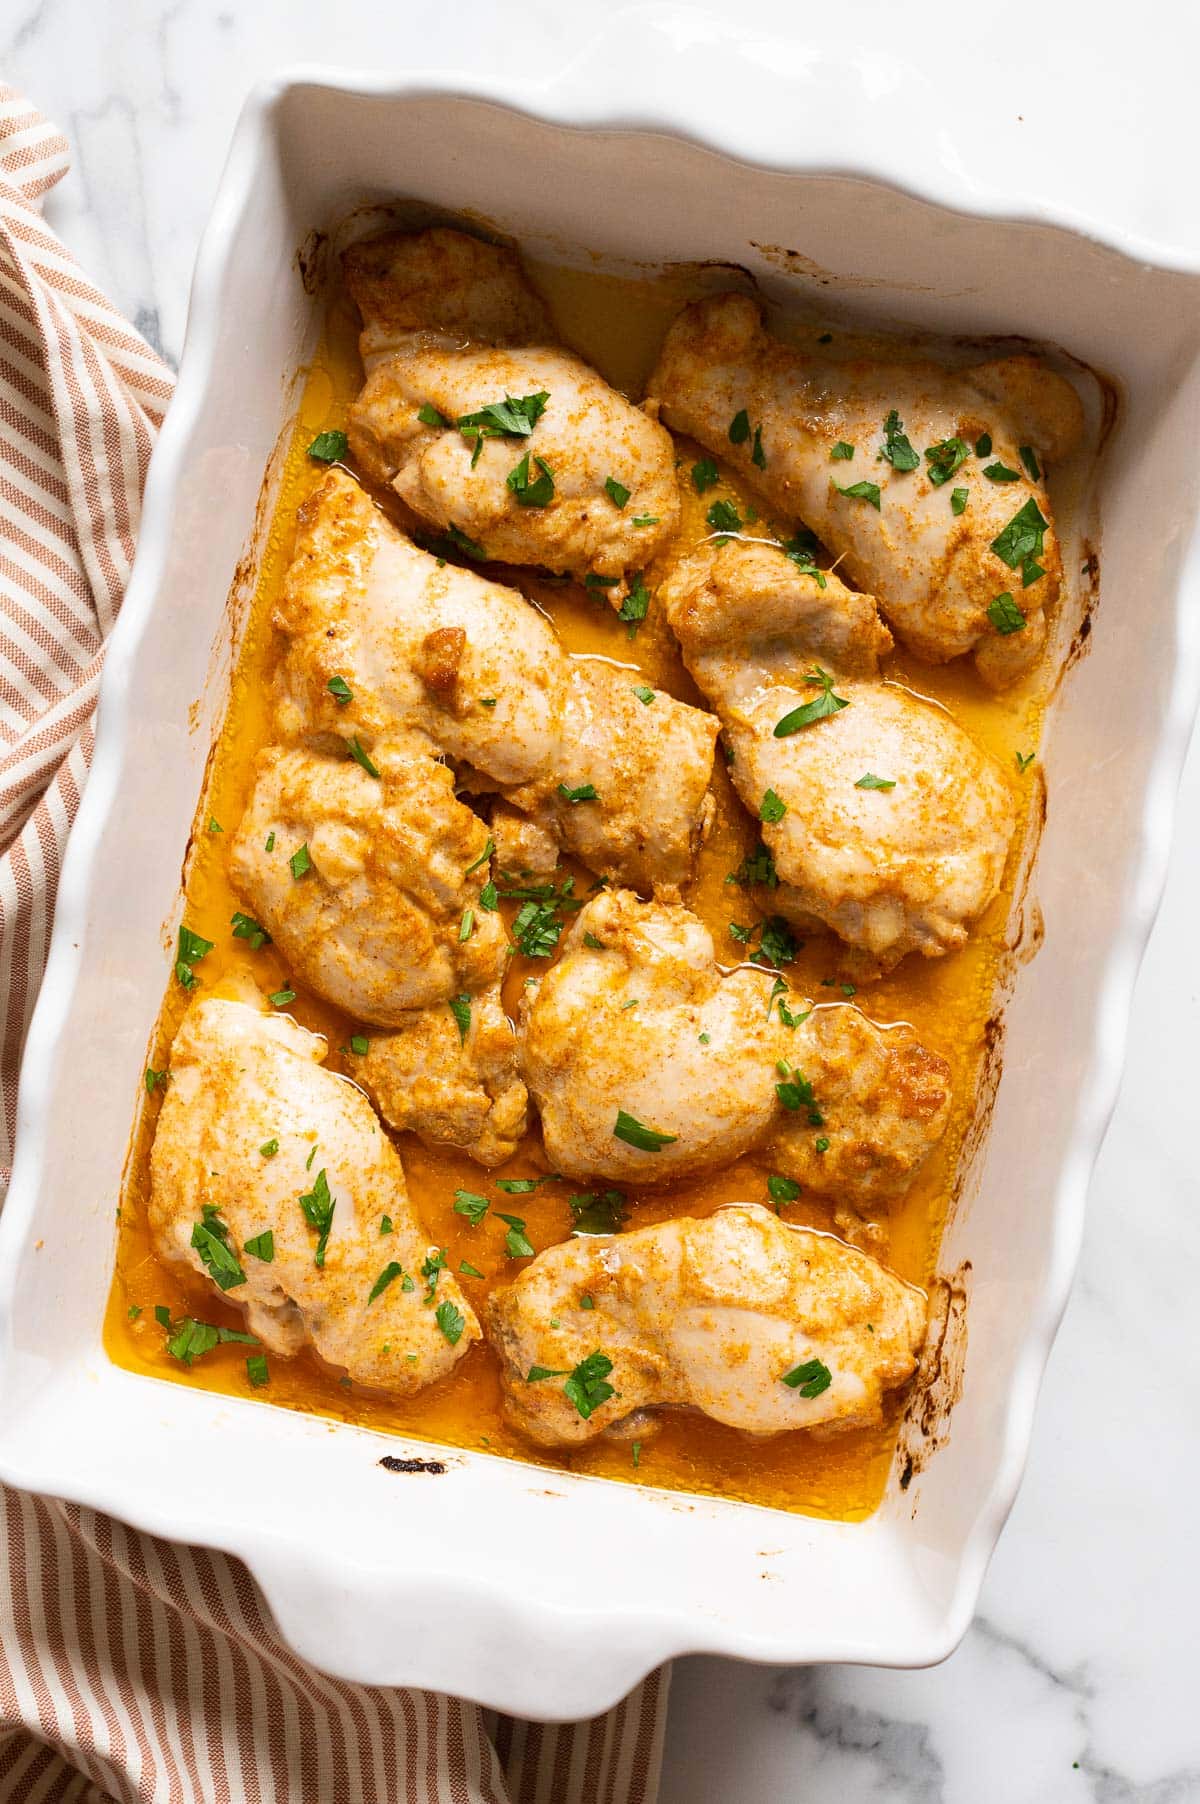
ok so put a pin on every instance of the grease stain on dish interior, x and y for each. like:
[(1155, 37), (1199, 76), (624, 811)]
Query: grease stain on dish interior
[(952, 1002)]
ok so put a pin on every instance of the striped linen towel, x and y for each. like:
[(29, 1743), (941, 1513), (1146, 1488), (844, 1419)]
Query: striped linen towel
[(131, 1668)]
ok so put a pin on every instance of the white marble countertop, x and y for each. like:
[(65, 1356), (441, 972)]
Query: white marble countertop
[(1077, 1681)]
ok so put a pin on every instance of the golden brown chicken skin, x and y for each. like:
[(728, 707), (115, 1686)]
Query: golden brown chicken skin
[(759, 1325), (960, 550)]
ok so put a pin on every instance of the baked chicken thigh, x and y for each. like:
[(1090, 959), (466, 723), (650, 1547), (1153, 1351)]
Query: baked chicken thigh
[(648, 1062), (924, 481), (885, 820), (487, 429), (271, 1178), (760, 1325)]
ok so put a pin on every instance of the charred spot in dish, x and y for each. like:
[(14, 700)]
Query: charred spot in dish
[(394, 1462), (939, 1382), (312, 261)]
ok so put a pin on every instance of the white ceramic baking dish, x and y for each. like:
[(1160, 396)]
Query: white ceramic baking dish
[(539, 1594)]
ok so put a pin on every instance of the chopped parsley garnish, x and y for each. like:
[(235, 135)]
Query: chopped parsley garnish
[(154, 1079), (210, 1238), (809, 713), (723, 517), (428, 415), (340, 690), (592, 581), (616, 491), (361, 758), (861, 491), (451, 1321), (391, 1271), (739, 427), (281, 998), (958, 500), (756, 867), (460, 1008), (1005, 615), (945, 458), (329, 447), (191, 950), (634, 608), (188, 1339), (587, 1387), (522, 1186), (466, 925), (999, 472), (460, 542), (256, 1370), (487, 701), (214, 825), (536, 1374), (133, 1312), (590, 940), (1028, 457), (841, 453), (800, 549), (810, 1379), (772, 807), (516, 1241), (897, 449), (317, 1206), (705, 475), (796, 1093), (597, 1211), (758, 456), (585, 792), (385, 1224), (646, 520), (634, 1133), (245, 927), (467, 1270), (1024, 760), (470, 1204), (487, 897), (269, 1148), (360, 1045), (1023, 541), (262, 1246), (482, 859), (536, 929), (643, 693), (782, 1190), (510, 418), (539, 492), (983, 445), (300, 862), (821, 1144), (269, 843), (871, 781), (433, 1265), (778, 945)]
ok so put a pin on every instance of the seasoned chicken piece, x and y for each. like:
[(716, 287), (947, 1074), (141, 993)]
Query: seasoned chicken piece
[(880, 1103), (385, 642), (950, 582), (760, 1325), (485, 428), (884, 819), (649, 764), (451, 1077), (362, 881), (647, 1061), (526, 844), (637, 1021), (272, 1177)]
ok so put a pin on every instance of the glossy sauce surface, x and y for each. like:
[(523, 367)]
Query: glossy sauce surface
[(618, 325)]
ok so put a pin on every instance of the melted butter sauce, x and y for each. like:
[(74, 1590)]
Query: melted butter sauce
[(618, 324)]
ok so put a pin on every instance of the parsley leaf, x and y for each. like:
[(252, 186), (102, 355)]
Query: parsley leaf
[(810, 1379), (772, 807), (472, 1205), (635, 606), (841, 453), (999, 472), (210, 1238), (460, 1008), (633, 1133), (1024, 538), (536, 929), (340, 690), (329, 447), (1028, 457), (262, 1246), (897, 449), (460, 542), (429, 415), (361, 758), (945, 458), (586, 792), (983, 445), (597, 1211), (269, 1148), (539, 492), (958, 500), (1024, 760), (616, 491), (782, 1190), (826, 704), (536, 1374), (510, 418), (723, 517), (643, 693), (758, 456), (1005, 615), (256, 1370), (705, 475), (451, 1321), (191, 950), (317, 1206), (245, 927), (871, 781), (516, 1241), (281, 998), (587, 1387), (861, 491), (300, 862), (391, 1271), (739, 427), (482, 859), (360, 1045)]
